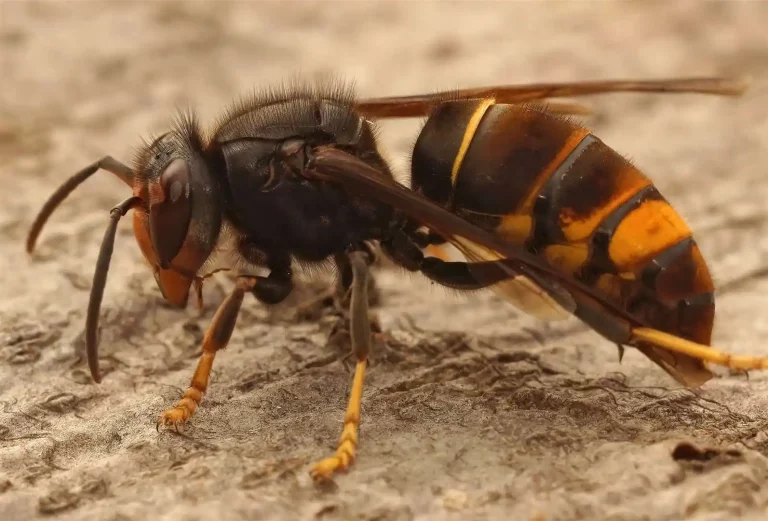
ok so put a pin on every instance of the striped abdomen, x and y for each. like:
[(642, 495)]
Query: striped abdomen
[(545, 183)]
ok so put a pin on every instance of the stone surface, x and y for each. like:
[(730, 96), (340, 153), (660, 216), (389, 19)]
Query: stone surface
[(474, 411)]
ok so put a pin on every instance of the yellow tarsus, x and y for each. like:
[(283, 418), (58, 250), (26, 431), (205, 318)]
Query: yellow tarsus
[(345, 453), (702, 352)]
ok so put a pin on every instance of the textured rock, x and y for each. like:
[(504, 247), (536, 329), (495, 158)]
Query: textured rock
[(473, 411)]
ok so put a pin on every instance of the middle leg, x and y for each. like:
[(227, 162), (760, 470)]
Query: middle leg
[(342, 293), (360, 334), (334, 299)]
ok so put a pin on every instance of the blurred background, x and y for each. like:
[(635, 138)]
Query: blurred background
[(81, 79)]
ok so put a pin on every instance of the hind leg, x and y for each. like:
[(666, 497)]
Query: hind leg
[(405, 250)]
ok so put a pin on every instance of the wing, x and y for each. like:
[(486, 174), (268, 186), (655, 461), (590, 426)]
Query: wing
[(333, 165), (681, 358), (421, 104)]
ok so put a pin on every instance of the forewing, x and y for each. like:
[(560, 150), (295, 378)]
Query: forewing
[(528, 286), (421, 104), (682, 359)]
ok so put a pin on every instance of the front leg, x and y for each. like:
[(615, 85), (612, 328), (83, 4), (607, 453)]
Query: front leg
[(216, 338), (269, 290), (278, 285)]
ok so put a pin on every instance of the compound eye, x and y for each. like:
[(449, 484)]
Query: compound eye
[(169, 216)]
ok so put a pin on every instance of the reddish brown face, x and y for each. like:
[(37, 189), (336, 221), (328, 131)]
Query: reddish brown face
[(174, 285), (178, 222), (164, 233), (170, 211)]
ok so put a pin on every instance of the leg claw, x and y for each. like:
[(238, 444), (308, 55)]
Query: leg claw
[(325, 469), (173, 417)]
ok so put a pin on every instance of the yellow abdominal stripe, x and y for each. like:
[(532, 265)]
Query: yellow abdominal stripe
[(644, 232), (469, 133)]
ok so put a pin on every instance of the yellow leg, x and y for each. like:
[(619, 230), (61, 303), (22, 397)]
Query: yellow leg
[(215, 338), (186, 407), (360, 335), (702, 352), (345, 454)]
